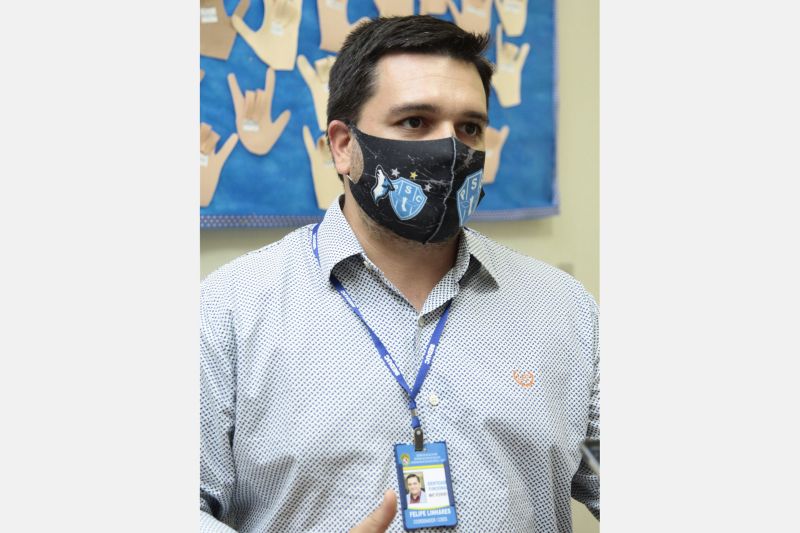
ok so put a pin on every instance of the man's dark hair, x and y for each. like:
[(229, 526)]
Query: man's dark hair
[(352, 77), (412, 475)]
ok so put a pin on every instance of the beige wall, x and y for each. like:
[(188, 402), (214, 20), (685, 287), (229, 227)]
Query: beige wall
[(569, 240)]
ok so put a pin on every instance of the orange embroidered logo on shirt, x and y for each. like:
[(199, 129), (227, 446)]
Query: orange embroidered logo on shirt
[(524, 380)]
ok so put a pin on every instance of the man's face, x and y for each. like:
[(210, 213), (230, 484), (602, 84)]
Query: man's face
[(413, 486), (422, 97)]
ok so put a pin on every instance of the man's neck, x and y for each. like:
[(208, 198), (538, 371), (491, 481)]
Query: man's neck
[(413, 268)]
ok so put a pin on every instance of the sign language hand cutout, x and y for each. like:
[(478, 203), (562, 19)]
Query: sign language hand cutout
[(475, 16), (317, 80), (275, 42), (432, 7), (507, 79), (211, 162), (394, 8), (216, 31), (333, 23), (513, 15), (326, 181), (495, 139), (254, 115)]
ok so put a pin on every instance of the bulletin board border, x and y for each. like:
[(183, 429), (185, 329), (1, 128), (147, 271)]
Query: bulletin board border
[(282, 221)]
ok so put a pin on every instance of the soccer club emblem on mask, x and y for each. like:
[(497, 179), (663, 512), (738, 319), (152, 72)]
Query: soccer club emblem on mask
[(406, 197), (423, 190), (468, 196)]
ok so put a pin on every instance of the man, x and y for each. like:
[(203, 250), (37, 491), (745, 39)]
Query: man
[(302, 341), (415, 496)]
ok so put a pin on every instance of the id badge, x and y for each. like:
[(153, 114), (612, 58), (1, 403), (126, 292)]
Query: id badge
[(426, 491)]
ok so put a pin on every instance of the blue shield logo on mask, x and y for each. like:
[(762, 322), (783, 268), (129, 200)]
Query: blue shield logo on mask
[(407, 198), (468, 196)]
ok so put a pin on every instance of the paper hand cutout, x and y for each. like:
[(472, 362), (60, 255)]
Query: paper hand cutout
[(216, 32), (333, 24), (254, 115), (275, 42), (317, 81), (495, 139), (394, 8), (432, 7), (475, 16), (513, 14), (507, 78), (326, 181), (211, 162)]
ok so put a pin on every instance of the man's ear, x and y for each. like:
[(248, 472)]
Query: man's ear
[(341, 146)]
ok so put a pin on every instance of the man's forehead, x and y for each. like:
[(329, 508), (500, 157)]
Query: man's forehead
[(420, 64), (430, 83)]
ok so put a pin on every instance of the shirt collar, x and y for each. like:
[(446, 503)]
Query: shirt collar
[(335, 239), (478, 248), (337, 242)]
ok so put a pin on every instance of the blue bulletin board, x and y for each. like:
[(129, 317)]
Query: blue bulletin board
[(277, 188)]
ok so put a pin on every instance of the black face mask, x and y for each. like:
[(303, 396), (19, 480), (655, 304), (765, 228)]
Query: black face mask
[(420, 190)]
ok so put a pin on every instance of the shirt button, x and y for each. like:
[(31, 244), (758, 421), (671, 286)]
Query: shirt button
[(433, 399), (421, 321)]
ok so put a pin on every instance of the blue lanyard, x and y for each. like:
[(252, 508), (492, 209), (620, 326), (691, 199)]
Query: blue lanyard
[(386, 357)]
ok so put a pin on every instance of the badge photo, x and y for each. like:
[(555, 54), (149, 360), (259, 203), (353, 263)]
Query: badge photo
[(426, 492)]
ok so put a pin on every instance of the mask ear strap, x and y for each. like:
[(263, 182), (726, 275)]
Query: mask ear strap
[(350, 126)]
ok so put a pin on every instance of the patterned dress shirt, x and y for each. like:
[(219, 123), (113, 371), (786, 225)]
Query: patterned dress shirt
[(299, 415)]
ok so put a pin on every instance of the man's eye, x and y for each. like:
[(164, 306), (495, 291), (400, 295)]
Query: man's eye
[(413, 123), (471, 129)]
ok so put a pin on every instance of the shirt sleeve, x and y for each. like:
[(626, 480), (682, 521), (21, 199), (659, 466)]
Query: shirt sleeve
[(217, 399), (209, 524), (585, 483)]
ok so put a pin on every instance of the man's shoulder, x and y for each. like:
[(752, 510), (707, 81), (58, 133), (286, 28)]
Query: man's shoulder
[(525, 275), (509, 263), (263, 267)]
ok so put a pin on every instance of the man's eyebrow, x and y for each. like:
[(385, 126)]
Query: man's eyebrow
[(434, 109), (413, 108), (477, 115)]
